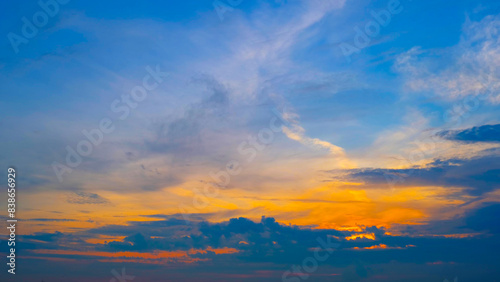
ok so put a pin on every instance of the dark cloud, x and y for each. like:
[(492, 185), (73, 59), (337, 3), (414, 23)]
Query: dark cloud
[(485, 133), (478, 175), (136, 242), (485, 218), (47, 237), (275, 247)]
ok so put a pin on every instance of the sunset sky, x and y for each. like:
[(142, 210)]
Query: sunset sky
[(239, 140)]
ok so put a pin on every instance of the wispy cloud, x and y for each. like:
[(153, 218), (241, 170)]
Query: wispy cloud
[(471, 65), (83, 198)]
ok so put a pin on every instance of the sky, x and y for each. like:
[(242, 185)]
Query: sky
[(238, 140)]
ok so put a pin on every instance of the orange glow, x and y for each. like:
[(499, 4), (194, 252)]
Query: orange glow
[(337, 205), (163, 256), (381, 246), (370, 236), (101, 239)]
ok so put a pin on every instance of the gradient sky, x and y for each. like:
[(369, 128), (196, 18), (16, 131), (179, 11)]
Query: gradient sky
[(267, 127)]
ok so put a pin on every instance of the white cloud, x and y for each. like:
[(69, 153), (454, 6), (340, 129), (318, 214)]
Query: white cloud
[(470, 67)]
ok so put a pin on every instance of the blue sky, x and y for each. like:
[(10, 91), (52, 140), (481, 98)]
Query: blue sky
[(256, 109)]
